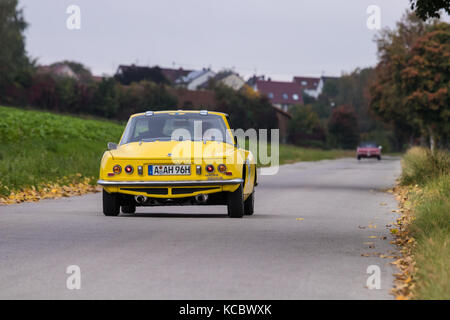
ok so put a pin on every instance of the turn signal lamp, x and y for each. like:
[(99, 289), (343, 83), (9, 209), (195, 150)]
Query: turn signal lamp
[(222, 168), (117, 169)]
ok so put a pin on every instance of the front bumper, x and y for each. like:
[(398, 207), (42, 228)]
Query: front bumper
[(365, 155), (224, 182)]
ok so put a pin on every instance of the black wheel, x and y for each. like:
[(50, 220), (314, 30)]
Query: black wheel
[(111, 205), (235, 203), (249, 204), (379, 158), (359, 158), (128, 209)]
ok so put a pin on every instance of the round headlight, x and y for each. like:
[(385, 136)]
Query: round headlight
[(222, 168), (117, 169), (210, 168)]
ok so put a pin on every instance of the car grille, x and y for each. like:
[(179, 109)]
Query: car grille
[(165, 191), (190, 190), (149, 190)]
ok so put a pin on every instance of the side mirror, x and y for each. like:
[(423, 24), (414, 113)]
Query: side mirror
[(235, 141), (380, 147), (112, 146)]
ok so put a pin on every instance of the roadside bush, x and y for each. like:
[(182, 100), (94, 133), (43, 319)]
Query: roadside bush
[(143, 96), (104, 101), (305, 129), (343, 128), (421, 165), (245, 111)]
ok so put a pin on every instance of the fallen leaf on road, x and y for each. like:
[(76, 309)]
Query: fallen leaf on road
[(63, 187)]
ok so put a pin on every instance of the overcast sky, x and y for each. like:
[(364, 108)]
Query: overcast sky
[(280, 38)]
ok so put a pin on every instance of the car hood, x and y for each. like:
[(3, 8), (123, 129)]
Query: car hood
[(173, 150)]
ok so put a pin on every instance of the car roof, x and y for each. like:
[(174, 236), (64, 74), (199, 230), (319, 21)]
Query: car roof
[(180, 111)]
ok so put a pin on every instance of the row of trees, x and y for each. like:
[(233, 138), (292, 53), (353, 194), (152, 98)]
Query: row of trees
[(110, 99), (339, 130), (106, 98)]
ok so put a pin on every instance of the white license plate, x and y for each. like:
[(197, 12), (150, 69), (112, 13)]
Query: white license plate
[(169, 170)]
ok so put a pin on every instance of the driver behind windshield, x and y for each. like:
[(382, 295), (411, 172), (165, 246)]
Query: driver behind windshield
[(155, 130)]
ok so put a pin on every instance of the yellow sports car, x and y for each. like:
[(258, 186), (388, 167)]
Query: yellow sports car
[(178, 158)]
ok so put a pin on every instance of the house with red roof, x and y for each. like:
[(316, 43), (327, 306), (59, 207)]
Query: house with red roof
[(282, 94), (310, 85)]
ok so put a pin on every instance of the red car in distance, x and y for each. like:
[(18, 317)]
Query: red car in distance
[(368, 150)]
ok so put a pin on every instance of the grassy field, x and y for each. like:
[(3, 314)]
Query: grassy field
[(430, 200), (40, 147), (290, 154)]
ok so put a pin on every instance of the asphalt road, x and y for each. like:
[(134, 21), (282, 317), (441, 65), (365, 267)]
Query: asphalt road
[(199, 253)]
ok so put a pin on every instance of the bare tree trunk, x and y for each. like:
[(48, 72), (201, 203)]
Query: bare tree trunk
[(432, 141)]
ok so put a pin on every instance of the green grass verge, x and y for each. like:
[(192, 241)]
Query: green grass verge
[(431, 226), (41, 147), (421, 165), (290, 154)]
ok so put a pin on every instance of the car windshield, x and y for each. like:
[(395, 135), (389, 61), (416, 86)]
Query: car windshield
[(368, 145), (176, 126)]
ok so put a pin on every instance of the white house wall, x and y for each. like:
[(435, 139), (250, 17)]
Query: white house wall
[(200, 80)]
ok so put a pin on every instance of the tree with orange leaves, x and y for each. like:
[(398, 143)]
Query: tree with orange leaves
[(426, 81), (410, 89)]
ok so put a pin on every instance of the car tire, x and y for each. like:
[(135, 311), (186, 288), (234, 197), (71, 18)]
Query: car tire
[(235, 203), (359, 158), (111, 205), (249, 204), (128, 209), (379, 158)]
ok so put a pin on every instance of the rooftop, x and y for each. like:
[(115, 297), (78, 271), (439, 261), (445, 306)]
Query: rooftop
[(280, 92)]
